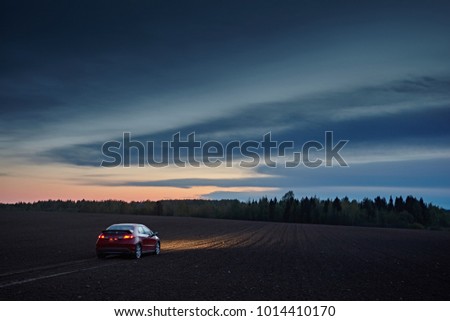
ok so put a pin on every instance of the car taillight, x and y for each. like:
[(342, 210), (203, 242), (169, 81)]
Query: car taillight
[(101, 236), (128, 236)]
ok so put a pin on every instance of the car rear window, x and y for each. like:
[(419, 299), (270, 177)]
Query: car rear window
[(121, 227)]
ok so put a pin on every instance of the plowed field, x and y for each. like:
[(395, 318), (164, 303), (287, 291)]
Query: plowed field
[(51, 256)]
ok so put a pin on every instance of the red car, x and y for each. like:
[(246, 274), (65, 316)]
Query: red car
[(128, 238)]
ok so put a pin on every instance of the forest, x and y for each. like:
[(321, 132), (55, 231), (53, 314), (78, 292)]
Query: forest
[(379, 212)]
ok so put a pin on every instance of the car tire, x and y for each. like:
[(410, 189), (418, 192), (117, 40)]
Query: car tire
[(157, 249), (101, 255), (137, 251)]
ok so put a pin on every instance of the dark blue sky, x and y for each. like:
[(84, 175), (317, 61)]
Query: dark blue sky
[(76, 74)]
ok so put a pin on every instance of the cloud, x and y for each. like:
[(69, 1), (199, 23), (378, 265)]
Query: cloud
[(421, 85), (423, 173), (403, 153), (391, 114), (79, 155), (191, 182), (243, 195)]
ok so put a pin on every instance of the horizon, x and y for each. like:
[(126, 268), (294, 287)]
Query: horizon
[(75, 76), (275, 198)]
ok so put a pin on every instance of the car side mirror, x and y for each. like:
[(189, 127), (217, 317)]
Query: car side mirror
[(155, 233)]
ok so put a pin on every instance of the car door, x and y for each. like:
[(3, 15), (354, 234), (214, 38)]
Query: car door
[(144, 237), (151, 239)]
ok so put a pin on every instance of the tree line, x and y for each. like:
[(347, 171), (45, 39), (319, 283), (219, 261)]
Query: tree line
[(394, 212)]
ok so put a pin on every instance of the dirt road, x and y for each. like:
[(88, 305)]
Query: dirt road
[(51, 256)]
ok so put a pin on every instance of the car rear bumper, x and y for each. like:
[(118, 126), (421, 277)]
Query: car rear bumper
[(116, 249)]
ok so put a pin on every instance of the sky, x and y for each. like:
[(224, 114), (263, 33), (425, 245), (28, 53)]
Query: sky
[(77, 74)]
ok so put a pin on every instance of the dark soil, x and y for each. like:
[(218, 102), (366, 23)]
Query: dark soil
[(51, 256)]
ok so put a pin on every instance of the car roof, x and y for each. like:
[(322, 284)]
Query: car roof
[(134, 224)]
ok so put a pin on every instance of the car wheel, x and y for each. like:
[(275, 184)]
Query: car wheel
[(157, 248), (138, 251), (101, 255)]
